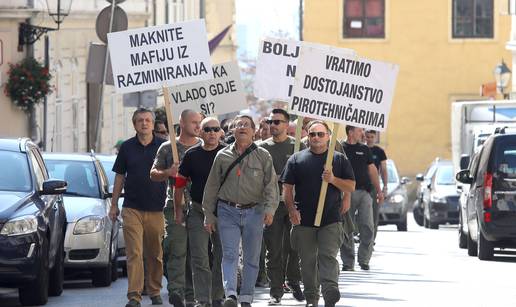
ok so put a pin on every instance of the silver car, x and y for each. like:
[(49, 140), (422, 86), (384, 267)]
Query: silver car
[(395, 207), (107, 162), (91, 237)]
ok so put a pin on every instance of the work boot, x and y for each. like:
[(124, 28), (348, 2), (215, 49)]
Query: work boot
[(133, 303), (364, 266), (274, 301), (176, 300), (296, 292), (231, 301), (331, 297), (156, 300)]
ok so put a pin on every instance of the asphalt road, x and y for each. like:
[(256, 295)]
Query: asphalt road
[(420, 267)]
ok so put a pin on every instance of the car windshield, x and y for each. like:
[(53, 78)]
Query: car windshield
[(80, 176), (108, 166), (444, 175), (506, 161), (431, 171), (15, 174)]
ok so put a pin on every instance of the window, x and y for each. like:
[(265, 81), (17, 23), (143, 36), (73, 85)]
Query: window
[(364, 18), (472, 18)]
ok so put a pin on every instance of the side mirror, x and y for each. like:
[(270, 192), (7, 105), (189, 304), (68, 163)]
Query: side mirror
[(405, 180), (464, 161), (420, 177), (53, 187), (464, 177)]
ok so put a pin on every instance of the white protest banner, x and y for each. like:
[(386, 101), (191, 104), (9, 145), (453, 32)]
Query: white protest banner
[(276, 67), (334, 86), (221, 95), (164, 55)]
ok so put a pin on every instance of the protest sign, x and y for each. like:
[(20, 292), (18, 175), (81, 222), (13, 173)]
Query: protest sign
[(164, 55), (338, 87), (220, 95)]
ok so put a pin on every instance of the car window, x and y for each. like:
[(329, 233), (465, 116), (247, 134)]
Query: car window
[(431, 171), (392, 174), (38, 170), (474, 165), (80, 176), (505, 162), (444, 175), (15, 174), (108, 166)]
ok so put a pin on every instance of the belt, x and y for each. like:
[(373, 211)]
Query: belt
[(238, 206)]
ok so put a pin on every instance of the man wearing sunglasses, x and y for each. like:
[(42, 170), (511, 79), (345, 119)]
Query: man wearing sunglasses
[(317, 246), (175, 247), (195, 167), (245, 201), (281, 259), (366, 176)]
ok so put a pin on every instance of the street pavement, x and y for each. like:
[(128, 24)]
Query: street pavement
[(420, 267)]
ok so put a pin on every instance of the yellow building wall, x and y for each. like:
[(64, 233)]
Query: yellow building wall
[(219, 15), (434, 69)]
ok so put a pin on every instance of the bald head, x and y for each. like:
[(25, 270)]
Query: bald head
[(190, 123)]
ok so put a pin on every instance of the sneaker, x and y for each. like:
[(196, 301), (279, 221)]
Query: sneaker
[(230, 302), (286, 288), (347, 268), (245, 304), (296, 292), (133, 303), (156, 300), (331, 297), (176, 300), (274, 301), (364, 266)]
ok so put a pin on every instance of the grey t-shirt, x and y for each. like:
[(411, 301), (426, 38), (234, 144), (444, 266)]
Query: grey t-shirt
[(164, 160)]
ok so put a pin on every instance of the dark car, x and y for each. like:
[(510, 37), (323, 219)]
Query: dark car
[(422, 191), (394, 208), (491, 205), (32, 223), (441, 202)]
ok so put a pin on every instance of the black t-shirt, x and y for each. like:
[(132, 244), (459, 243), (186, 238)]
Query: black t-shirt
[(378, 156), (196, 165), (360, 157), (304, 171), (134, 161)]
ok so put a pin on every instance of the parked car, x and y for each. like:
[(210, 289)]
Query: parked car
[(394, 209), (441, 202), (32, 223), (466, 162), (422, 190), (491, 205), (91, 236), (107, 162)]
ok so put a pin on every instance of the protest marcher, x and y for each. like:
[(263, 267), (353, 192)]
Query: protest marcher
[(195, 166), (291, 130), (263, 131), (380, 161), (277, 235), (242, 191), (175, 244), (142, 210), (317, 246), (160, 129), (366, 176)]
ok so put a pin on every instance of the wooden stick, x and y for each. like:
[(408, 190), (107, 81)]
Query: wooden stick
[(170, 121), (328, 165), (299, 127)]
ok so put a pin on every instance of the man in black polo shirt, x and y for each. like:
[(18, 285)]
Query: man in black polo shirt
[(365, 173), (142, 209), (317, 246)]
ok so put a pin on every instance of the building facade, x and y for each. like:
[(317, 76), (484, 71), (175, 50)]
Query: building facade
[(446, 50)]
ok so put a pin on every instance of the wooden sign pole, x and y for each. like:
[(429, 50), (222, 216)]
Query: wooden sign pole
[(170, 121), (299, 128), (328, 165)]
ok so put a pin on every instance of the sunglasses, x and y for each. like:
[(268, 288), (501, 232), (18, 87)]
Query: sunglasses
[(243, 125), (318, 134), (212, 129), (274, 121)]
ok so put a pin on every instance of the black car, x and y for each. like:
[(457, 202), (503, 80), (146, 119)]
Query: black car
[(491, 204), (422, 191), (32, 223)]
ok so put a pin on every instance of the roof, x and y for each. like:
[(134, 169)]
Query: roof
[(68, 156)]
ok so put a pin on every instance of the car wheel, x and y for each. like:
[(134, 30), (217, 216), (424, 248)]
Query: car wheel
[(434, 225), (36, 292), (463, 241), (102, 276), (418, 216), (485, 247), (402, 226), (472, 246), (55, 288)]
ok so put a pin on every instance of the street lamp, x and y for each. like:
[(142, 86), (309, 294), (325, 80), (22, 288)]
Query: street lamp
[(502, 75), (57, 9)]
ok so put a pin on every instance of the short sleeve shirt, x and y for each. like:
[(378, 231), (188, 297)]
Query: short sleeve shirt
[(134, 161), (304, 171), (378, 156), (360, 157), (196, 165)]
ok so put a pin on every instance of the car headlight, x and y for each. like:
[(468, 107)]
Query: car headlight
[(89, 224), (20, 226), (437, 199), (396, 198)]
